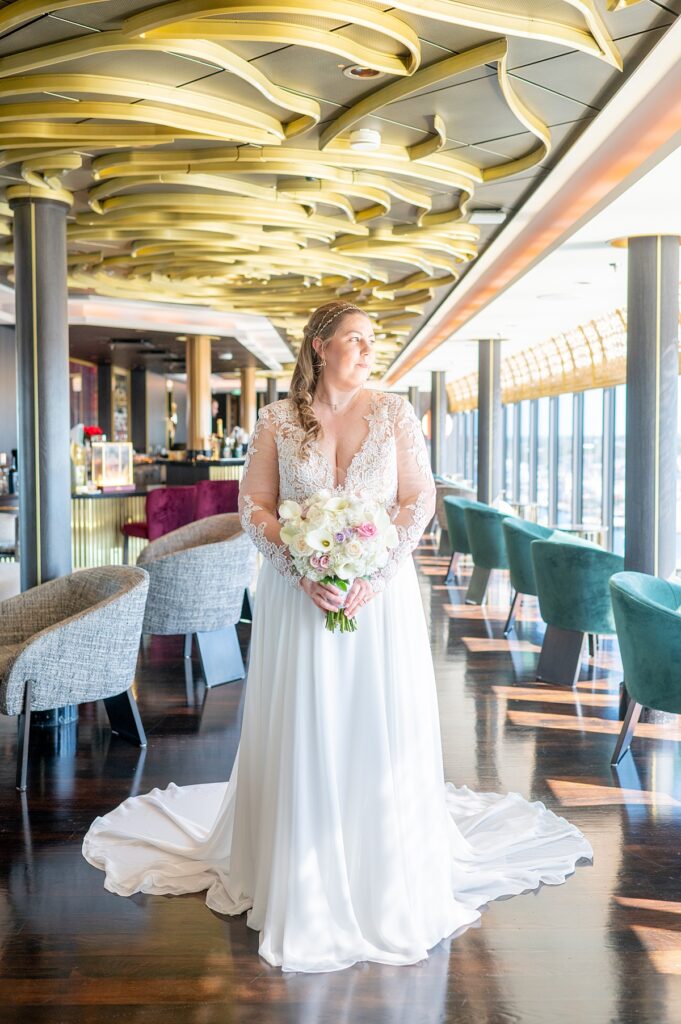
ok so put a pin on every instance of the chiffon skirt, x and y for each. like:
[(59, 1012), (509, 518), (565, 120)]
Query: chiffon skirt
[(336, 831)]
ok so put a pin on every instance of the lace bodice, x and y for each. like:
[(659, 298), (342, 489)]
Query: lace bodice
[(390, 466)]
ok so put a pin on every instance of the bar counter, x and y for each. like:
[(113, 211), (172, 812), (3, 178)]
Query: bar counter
[(97, 518)]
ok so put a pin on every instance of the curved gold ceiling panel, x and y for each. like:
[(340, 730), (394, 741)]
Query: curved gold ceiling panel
[(227, 193)]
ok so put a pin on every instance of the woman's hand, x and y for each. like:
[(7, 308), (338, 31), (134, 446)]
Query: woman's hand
[(326, 597), (360, 593)]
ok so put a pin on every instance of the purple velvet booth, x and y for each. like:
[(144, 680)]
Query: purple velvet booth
[(216, 497), (167, 509)]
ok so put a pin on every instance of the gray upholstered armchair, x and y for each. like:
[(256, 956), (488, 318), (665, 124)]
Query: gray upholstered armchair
[(198, 577), (70, 641)]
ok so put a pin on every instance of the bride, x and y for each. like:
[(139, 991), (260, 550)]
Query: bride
[(336, 831)]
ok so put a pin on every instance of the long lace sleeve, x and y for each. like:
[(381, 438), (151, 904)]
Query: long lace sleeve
[(258, 496), (415, 492)]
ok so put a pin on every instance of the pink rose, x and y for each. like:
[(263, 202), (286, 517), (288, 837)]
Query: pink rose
[(367, 530), (315, 561), (324, 561)]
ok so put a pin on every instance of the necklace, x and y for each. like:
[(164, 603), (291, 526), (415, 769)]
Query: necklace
[(334, 406)]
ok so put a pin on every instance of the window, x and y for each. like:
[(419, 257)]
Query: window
[(564, 476), (592, 457), (543, 430), (620, 444), (524, 452), (509, 418)]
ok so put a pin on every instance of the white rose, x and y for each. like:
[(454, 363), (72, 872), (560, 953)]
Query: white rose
[(299, 545), (354, 549), (289, 510)]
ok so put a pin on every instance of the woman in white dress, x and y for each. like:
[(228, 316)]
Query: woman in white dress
[(336, 831)]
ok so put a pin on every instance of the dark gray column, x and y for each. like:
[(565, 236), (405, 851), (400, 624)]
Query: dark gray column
[(413, 396), (43, 389), (490, 420), (652, 381), (272, 392), (139, 426), (438, 414)]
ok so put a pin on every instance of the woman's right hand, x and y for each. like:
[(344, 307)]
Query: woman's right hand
[(326, 597)]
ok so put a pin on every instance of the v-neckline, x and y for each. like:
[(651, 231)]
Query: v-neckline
[(370, 417)]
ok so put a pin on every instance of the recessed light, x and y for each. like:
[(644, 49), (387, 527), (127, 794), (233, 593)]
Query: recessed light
[(483, 216), (180, 337), (358, 71), (226, 355)]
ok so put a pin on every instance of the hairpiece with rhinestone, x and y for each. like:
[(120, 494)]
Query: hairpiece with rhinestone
[(331, 317)]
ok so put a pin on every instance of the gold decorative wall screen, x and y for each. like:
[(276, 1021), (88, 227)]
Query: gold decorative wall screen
[(255, 201), (593, 355)]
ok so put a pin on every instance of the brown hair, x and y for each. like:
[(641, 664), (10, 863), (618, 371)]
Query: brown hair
[(322, 324)]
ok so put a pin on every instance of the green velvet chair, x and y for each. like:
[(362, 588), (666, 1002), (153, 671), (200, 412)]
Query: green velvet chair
[(486, 541), (518, 537), (647, 614), (458, 535), (574, 600)]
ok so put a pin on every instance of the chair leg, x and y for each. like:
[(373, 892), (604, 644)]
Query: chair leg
[(561, 656), (444, 546), (23, 741), (124, 717), (509, 621), (626, 732), (126, 548), (477, 587), (188, 637), (247, 607), (452, 573), (220, 655)]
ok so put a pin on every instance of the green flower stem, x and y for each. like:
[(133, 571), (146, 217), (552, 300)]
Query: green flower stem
[(339, 620)]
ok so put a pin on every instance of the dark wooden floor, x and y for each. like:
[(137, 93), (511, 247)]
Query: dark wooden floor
[(605, 948)]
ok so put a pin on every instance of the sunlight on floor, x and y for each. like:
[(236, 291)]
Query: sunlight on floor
[(585, 794)]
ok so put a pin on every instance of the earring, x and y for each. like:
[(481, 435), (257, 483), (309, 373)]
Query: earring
[(323, 362)]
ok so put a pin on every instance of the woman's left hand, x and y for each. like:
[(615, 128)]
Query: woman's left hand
[(359, 594)]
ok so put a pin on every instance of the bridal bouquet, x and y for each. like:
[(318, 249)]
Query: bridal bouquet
[(334, 538)]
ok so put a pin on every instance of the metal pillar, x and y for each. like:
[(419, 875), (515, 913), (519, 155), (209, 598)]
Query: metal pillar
[(652, 381), (438, 414), (272, 393), (490, 420), (43, 388), (413, 396)]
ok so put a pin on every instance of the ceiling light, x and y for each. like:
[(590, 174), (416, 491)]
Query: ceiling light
[(483, 216), (364, 140), (180, 337), (358, 71), (226, 355)]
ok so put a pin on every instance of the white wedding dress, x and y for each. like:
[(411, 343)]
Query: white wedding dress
[(336, 830)]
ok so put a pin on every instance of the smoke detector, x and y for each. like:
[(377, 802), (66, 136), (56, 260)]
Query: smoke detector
[(364, 140)]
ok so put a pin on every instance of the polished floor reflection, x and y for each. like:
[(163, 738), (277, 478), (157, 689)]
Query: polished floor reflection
[(605, 948)]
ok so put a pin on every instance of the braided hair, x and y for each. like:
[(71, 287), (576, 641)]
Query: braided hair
[(322, 324)]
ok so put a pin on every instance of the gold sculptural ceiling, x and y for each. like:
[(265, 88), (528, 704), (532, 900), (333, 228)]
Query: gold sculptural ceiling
[(204, 146)]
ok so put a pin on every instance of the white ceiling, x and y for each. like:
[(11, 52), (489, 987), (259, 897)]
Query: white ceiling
[(583, 279)]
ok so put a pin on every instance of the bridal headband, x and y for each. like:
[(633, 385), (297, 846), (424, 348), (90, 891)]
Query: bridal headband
[(333, 316)]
